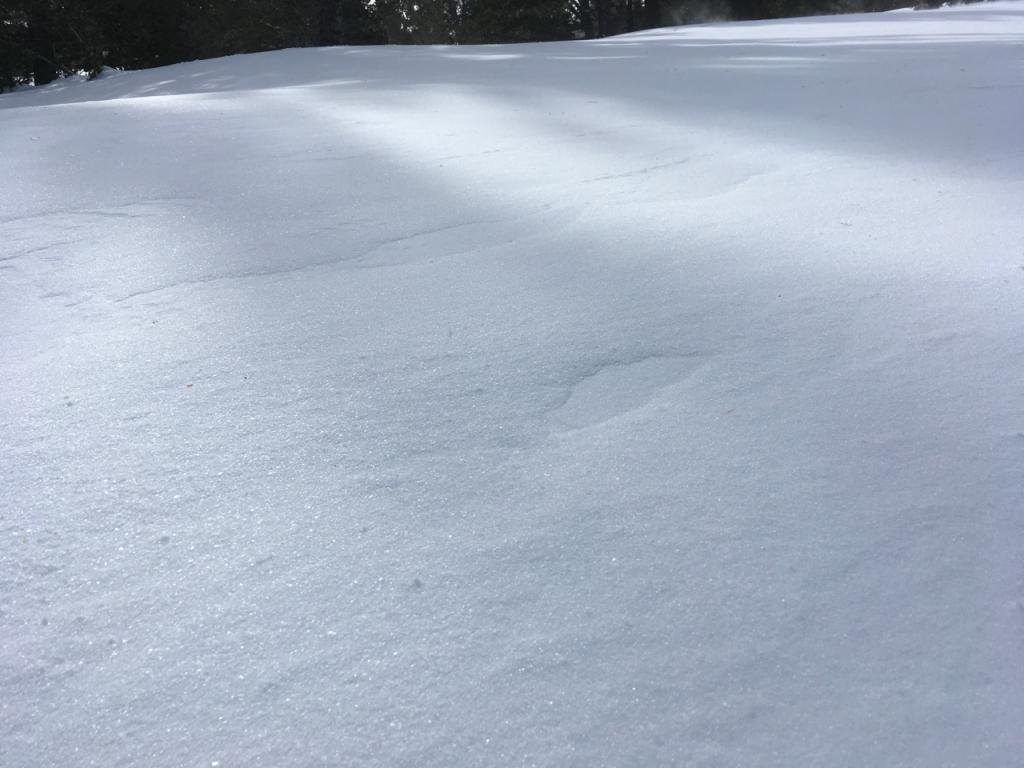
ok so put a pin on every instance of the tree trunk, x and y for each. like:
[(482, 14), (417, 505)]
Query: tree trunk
[(452, 20), (327, 23), (652, 14), (586, 19), (601, 6), (40, 30)]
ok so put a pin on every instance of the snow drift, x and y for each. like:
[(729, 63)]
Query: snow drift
[(645, 401)]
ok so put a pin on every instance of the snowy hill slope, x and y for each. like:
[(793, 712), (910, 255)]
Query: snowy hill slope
[(656, 400)]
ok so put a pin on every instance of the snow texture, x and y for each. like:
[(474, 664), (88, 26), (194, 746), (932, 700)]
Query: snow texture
[(656, 400)]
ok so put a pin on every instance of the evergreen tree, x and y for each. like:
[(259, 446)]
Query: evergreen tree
[(512, 21), (44, 39), (358, 23)]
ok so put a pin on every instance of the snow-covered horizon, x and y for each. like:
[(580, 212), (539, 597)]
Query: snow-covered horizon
[(654, 400)]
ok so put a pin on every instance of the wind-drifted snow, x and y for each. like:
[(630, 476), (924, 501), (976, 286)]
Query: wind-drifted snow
[(656, 400)]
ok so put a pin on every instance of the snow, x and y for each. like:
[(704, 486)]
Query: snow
[(655, 400)]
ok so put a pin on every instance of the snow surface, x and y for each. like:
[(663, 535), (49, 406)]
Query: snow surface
[(656, 400)]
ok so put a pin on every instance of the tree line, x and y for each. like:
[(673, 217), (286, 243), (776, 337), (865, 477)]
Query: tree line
[(41, 40)]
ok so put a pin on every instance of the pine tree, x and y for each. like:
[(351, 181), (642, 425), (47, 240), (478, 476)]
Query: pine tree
[(512, 21)]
